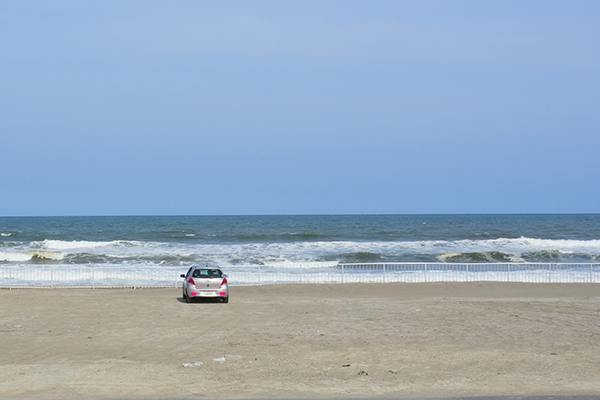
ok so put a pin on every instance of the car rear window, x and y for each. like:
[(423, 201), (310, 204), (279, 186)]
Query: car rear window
[(207, 273)]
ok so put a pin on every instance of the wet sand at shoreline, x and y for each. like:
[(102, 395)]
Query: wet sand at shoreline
[(352, 340)]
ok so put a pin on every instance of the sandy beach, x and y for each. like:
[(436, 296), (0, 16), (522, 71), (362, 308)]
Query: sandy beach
[(401, 340)]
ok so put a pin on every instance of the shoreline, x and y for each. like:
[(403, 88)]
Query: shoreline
[(326, 341)]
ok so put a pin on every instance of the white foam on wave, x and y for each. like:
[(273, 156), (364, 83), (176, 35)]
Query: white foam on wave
[(305, 265), (30, 255), (47, 255), (15, 257), (81, 244), (522, 244), (566, 245), (530, 245)]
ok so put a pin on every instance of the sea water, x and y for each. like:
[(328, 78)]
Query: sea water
[(282, 242)]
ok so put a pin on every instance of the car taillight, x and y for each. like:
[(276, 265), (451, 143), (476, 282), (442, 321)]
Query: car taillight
[(192, 282), (224, 281)]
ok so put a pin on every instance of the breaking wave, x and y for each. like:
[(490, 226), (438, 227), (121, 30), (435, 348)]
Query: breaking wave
[(82, 244), (33, 256), (484, 257), (182, 253)]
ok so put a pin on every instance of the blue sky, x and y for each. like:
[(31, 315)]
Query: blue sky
[(307, 107)]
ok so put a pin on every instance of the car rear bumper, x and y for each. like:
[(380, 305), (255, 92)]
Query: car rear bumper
[(195, 292), (207, 293)]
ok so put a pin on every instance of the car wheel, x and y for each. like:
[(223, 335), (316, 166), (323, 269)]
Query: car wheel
[(188, 299), (226, 299)]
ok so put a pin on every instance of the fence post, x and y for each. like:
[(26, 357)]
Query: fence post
[(342, 273), (507, 272), (550, 273), (383, 273), (425, 273)]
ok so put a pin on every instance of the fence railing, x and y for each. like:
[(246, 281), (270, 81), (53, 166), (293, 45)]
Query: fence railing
[(117, 277)]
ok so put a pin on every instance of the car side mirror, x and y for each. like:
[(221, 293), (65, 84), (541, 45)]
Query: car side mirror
[(225, 275), (182, 275)]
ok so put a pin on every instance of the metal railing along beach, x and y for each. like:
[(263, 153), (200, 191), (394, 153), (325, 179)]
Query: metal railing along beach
[(116, 276)]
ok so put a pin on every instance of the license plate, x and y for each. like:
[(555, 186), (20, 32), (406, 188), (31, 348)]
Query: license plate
[(208, 293)]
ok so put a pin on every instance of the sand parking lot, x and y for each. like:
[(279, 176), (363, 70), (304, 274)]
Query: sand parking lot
[(438, 339)]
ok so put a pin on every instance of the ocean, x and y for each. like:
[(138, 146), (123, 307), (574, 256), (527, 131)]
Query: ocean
[(269, 240), (151, 242)]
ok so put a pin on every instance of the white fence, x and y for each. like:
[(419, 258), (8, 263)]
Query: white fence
[(117, 276)]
